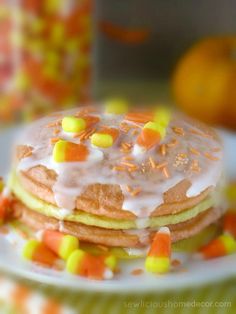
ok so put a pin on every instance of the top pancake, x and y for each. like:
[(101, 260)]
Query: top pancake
[(118, 182)]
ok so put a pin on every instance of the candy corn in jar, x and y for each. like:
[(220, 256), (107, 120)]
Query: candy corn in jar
[(45, 54)]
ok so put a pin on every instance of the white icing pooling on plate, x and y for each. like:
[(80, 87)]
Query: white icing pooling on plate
[(136, 252), (74, 177)]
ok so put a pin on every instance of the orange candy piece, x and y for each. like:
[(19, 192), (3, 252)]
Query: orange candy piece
[(140, 117), (221, 246), (214, 249), (44, 256), (161, 245), (76, 152), (61, 244), (4, 206), (52, 239), (148, 138), (229, 223), (38, 252), (69, 152), (92, 267)]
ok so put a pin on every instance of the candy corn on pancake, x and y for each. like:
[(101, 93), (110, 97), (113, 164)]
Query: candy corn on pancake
[(115, 177)]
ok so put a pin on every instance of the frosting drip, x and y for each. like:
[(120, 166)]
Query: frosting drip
[(186, 152)]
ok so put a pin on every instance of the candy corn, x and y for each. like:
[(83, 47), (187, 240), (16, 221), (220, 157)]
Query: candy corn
[(61, 244), (5, 203), (116, 106), (229, 223), (151, 134), (158, 259), (91, 266), (73, 124), (221, 246), (104, 138), (162, 116), (111, 131), (38, 252), (69, 152)]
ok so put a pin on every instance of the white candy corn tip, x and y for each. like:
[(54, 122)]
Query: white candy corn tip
[(95, 155), (138, 150), (164, 230), (6, 193), (39, 235), (108, 274)]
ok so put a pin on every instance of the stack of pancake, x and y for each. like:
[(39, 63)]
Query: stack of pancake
[(119, 195)]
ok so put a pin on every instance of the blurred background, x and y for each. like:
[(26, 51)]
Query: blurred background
[(56, 54), (60, 53)]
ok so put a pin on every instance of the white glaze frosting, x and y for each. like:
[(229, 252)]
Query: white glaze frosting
[(74, 177)]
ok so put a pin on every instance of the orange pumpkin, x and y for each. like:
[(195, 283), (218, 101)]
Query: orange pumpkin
[(204, 81)]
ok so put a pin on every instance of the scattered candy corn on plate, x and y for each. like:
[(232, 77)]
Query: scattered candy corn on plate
[(137, 275)]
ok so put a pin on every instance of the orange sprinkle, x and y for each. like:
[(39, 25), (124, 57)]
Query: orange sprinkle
[(197, 132), (163, 149), (194, 151), (132, 169), (166, 172), (152, 162), (173, 143), (54, 140), (90, 133), (81, 134), (126, 145), (128, 188), (134, 132), (137, 272), (102, 247), (56, 131), (175, 263), (125, 151), (124, 127), (128, 158), (139, 117), (178, 130), (28, 154), (119, 168), (136, 192), (162, 165), (128, 164), (53, 124), (195, 166), (86, 134), (211, 157)]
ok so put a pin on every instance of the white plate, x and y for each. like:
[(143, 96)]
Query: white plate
[(190, 273)]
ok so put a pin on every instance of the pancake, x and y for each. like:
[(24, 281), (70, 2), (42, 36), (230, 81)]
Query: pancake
[(111, 237), (115, 195), (50, 210)]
